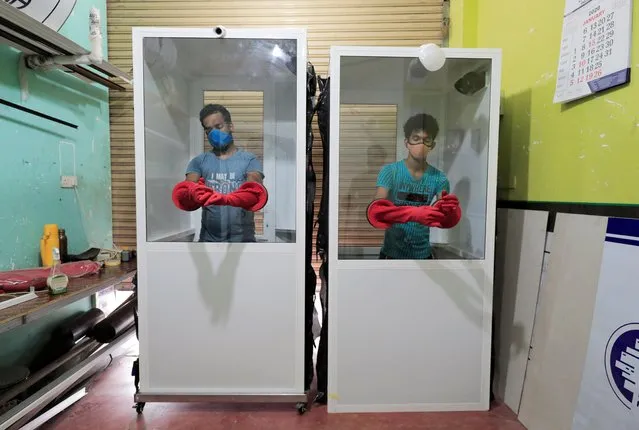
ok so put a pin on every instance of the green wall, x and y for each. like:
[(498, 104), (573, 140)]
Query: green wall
[(583, 152), (34, 153)]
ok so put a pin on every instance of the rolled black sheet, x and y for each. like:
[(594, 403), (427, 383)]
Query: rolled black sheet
[(76, 328), (115, 323)]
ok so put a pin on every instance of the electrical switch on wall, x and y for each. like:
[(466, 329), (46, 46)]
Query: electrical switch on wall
[(68, 181)]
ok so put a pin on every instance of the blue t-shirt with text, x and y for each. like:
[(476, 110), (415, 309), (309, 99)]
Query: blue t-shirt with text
[(226, 223), (410, 240)]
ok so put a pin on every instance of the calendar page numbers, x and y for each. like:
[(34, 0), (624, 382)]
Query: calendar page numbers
[(595, 47)]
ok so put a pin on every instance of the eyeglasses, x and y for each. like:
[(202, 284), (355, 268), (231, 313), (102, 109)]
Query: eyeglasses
[(428, 141)]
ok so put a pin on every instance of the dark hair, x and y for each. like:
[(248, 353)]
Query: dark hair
[(421, 121), (210, 109)]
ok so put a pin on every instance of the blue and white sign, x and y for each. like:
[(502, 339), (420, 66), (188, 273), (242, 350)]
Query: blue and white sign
[(609, 392), (622, 364)]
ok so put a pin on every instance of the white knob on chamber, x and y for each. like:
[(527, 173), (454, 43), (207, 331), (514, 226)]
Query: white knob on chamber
[(220, 31), (432, 57)]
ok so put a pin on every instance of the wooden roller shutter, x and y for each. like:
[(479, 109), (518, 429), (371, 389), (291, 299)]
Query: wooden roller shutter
[(247, 113), (368, 140), (329, 22)]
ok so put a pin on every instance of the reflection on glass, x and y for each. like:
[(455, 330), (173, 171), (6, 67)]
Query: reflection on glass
[(367, 142), (239, 96), (423, 138)]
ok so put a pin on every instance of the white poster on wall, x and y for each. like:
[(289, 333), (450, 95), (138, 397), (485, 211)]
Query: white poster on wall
[(52, 13), (595, 48), (609, 393)]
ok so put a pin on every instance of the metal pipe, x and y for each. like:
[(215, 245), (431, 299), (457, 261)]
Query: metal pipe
[(43, 397), (82, 346), (34, 414), (36, 113)]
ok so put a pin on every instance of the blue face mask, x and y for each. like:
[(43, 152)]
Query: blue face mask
[(219, 139)]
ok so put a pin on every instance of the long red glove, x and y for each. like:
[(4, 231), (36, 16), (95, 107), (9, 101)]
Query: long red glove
[(449, 205), (383, 213), (251, 196), (190, 196)]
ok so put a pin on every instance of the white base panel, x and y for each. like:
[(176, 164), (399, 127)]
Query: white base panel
[(410, 338), (221, 320), (418, 407)]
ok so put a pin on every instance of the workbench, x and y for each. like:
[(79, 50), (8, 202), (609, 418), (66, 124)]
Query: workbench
[(78, 289), (32, 310)]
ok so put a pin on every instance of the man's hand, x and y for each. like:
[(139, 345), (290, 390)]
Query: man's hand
[(251, 196), (186, 195), (449, 206), (203, 194), (448, 202)]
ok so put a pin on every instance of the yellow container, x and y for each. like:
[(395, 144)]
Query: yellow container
[(50, 239)]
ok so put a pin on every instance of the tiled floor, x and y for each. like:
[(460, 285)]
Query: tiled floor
[(109, 406)]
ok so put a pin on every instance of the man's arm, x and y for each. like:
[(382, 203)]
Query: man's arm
[(384, 182), (254, 170), (445, 186), (254, 177), (193, 177), (381, 193), (193, 169)]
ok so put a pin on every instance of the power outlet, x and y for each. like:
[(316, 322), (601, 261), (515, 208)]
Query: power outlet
[(68, 181)]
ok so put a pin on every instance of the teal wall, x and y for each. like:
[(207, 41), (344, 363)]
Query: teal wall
[(34, 151)]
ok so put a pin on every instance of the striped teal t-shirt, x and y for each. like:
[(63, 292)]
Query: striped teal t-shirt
[(410, 241)]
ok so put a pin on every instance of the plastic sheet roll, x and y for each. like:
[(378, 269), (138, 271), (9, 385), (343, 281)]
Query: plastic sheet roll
[(117, 322), (76, 328), (65, 336)]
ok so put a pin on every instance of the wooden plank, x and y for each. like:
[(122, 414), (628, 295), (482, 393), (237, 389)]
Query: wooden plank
[(562, 325), (519, 253)]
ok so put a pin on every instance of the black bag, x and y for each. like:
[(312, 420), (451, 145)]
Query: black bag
[(323, 120), (310, 278)]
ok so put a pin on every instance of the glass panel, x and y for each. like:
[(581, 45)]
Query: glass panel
[(220, 123), (413, 151)]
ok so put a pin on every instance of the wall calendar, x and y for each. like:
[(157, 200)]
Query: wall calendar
[(595, 48)]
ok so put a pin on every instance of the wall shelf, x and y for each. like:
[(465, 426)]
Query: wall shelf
[(28, 35)]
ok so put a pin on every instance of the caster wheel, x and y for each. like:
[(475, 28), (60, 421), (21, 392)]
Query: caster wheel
[(139, 407), (321, 399), (302, 408)]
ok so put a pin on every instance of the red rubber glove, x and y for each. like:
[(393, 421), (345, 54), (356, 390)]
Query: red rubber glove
[(183, 196), (449, 206), (251, 196), (383, 213), (190, 196)]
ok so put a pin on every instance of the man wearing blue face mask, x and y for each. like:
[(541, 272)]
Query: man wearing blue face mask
[(225, 182)]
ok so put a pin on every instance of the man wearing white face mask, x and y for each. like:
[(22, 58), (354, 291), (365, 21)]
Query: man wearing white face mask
[(225, 182), (405, 189)]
